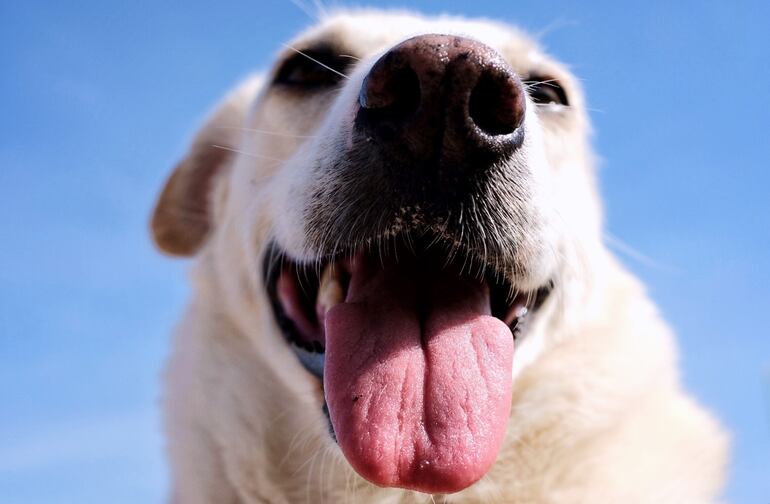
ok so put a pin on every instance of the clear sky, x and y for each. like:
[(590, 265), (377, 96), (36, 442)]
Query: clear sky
[(97, 100)]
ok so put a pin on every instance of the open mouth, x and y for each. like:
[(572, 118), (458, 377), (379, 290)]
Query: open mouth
[(414, 346), (302, 294)]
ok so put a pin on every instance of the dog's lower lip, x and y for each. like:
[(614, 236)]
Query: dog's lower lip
[(295, 288)]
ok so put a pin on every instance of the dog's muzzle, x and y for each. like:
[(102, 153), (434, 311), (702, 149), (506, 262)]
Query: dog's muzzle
[(410, 312)]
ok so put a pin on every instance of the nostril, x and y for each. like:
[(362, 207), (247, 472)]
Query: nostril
[(497, 103), (391, 94)]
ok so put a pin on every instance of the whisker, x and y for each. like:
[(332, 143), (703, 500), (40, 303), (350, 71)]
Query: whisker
[(531, 83), (316, 61), (629, 251), (305, 9), (555, 25), (320, 8), (267, 132), (258, 156)]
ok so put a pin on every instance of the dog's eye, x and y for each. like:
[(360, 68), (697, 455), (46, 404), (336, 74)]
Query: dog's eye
[(313, 68), (546, 91)]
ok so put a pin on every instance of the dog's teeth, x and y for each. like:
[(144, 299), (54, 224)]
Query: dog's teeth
[(330, 291), (516, 314)]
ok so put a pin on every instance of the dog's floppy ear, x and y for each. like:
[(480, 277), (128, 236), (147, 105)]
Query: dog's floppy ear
[(182, 216)]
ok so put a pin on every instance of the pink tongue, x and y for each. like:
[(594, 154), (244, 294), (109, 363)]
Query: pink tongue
[(418, 407)]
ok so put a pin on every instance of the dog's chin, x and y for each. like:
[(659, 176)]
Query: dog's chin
[(414, 345)]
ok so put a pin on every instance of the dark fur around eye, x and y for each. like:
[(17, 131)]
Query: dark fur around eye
[(313, 68), (544, 90)]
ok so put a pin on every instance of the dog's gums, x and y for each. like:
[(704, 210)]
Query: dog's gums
[(415, 353)]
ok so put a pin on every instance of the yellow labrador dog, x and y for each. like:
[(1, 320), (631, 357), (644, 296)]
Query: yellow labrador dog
[(401, 292)]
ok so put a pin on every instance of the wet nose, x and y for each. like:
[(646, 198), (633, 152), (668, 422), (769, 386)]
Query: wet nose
[(443, 101)]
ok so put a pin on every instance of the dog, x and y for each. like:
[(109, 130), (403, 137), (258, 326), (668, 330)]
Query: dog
[(401, 291)]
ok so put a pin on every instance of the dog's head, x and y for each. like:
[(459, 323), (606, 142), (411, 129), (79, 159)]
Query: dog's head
[(392, 208)]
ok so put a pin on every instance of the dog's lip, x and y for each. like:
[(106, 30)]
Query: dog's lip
[(295, 312)]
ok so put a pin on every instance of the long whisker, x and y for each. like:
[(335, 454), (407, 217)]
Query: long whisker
[(320, 8), (306, 9), (629, 251), (258, 156), (267, 132), (316, 61), (531, 83), (555, 25)]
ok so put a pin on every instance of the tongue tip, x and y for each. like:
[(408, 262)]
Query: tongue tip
[(423, 476)]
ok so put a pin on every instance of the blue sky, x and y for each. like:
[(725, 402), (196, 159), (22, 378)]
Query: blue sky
[(99, 98)]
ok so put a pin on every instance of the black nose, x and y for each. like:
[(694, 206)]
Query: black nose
[(442, 101)]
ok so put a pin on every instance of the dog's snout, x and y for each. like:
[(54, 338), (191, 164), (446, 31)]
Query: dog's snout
[(445, 100)]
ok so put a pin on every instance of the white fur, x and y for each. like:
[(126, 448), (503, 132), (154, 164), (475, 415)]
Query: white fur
[(598, 411)]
